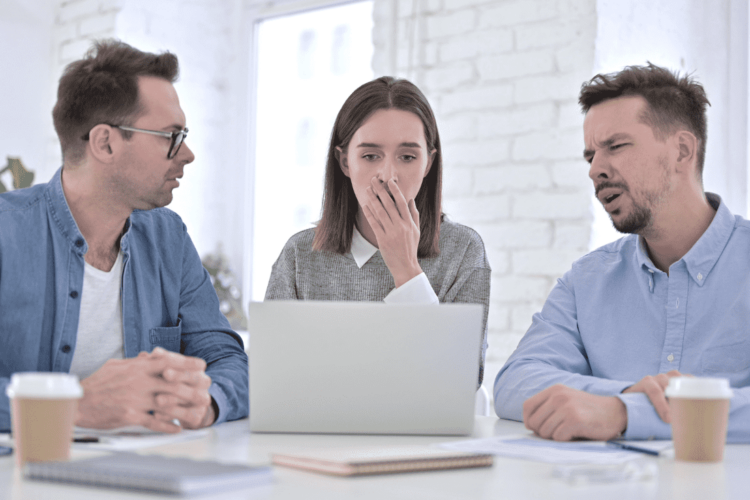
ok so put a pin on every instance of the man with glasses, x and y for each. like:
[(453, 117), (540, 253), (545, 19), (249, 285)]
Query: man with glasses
[(98, 279)]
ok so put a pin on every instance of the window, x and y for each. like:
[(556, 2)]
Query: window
[(308, 64)]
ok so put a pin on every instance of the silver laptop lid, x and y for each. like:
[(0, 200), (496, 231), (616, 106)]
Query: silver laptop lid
[(363, 367)]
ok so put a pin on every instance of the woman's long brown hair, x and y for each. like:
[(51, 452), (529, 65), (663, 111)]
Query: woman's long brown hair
[(334, 230)]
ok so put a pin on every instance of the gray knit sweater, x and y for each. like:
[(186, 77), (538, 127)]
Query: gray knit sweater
[(461, 273)]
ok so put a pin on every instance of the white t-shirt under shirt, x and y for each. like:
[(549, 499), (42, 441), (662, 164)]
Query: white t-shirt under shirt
[(100, 320)]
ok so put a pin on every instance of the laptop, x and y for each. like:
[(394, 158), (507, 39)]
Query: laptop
[(363, 367)]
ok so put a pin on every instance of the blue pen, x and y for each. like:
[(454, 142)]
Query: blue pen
[(633, 448), (4, 450)]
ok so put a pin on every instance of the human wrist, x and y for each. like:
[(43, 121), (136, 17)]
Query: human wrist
[(402, 276), (620, 420)]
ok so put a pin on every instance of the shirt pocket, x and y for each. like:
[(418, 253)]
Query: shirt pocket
[(167, 337), (731, 358)]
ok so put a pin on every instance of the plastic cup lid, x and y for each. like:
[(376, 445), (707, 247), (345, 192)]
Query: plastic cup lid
[(698, 388), (44, 386)]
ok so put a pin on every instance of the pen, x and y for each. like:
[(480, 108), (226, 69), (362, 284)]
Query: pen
[(630, 447), (5, 450), (86, 439)]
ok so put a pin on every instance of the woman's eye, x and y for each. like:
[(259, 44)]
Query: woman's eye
[(370, 157), (408, 158)]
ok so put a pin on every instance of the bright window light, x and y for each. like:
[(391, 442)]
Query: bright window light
[(308, 64)]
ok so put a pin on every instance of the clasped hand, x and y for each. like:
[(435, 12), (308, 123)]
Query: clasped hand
[(396, 226), (563, 413), (152, 390)]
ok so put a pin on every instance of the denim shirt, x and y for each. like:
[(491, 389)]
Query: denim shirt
[(167, 296), (615, 318)]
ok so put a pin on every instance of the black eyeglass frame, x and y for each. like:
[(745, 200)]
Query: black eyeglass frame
[(176, 138)]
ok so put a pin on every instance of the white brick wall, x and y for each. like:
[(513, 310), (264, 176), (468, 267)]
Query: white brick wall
[(77, 24), (205, 37), (503, 77)]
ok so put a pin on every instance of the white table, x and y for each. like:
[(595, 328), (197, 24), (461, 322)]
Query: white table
[(507, 479)]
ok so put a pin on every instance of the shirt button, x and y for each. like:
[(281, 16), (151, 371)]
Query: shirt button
[(74, 294), (670, 358), (79, 242), (66, 349), (700, 276)]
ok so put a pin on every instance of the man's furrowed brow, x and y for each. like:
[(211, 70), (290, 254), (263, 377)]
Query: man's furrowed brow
[(589, 153)]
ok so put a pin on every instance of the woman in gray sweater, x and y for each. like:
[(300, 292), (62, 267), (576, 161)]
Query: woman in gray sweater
[(382, 235)]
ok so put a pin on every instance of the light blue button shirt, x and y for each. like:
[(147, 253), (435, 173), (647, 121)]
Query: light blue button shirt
[(615, 318)]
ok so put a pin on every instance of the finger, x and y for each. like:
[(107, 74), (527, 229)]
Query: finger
[(551, 425), (414, 212), (385, 199), (189, 417), (398, 198), (167, 359), (376, 206), (188, 394), (531, 406), (676, 373), (192, 378), (160, 422), (655, 393), (183, 362), (374, 222)]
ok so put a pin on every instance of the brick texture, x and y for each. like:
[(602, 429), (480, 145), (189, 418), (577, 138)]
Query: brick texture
[(503, 78)]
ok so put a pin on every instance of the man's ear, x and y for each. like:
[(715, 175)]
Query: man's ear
[(101, 142), (343, 162), (687, 151), (430, 161)]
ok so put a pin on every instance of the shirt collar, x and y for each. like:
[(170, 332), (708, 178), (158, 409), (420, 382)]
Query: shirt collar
[(702, 257), (362, 250), (62, 216), (64, 220)]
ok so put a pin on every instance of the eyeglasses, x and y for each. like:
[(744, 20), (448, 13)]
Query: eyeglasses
[(177, 138)]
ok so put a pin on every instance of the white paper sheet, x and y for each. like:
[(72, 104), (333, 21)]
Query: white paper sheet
[(530, 447), (132, 438)]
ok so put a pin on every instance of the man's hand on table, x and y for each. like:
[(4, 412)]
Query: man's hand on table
[(150, 390), (562, 413), (653, 387)]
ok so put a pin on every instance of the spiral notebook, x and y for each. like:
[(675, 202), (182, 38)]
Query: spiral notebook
[(153, 473), (366, 461)]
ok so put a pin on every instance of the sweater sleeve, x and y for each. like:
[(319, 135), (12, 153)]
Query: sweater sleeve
[(472, 286), (283, 282)]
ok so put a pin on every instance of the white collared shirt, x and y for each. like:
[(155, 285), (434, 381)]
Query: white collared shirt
[(415, 291)]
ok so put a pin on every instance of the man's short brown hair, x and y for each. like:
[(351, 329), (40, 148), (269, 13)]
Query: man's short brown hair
[(674, 102), (103, 88)]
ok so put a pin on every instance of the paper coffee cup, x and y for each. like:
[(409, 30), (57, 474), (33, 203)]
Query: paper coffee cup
[(699, 408), (44, 409)]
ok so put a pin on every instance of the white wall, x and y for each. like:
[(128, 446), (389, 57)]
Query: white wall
[(706, 39), (212, 45), (208, 39), (503, 78), (26, 86)]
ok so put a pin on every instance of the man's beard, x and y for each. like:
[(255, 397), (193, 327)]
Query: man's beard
[(636, 222)]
